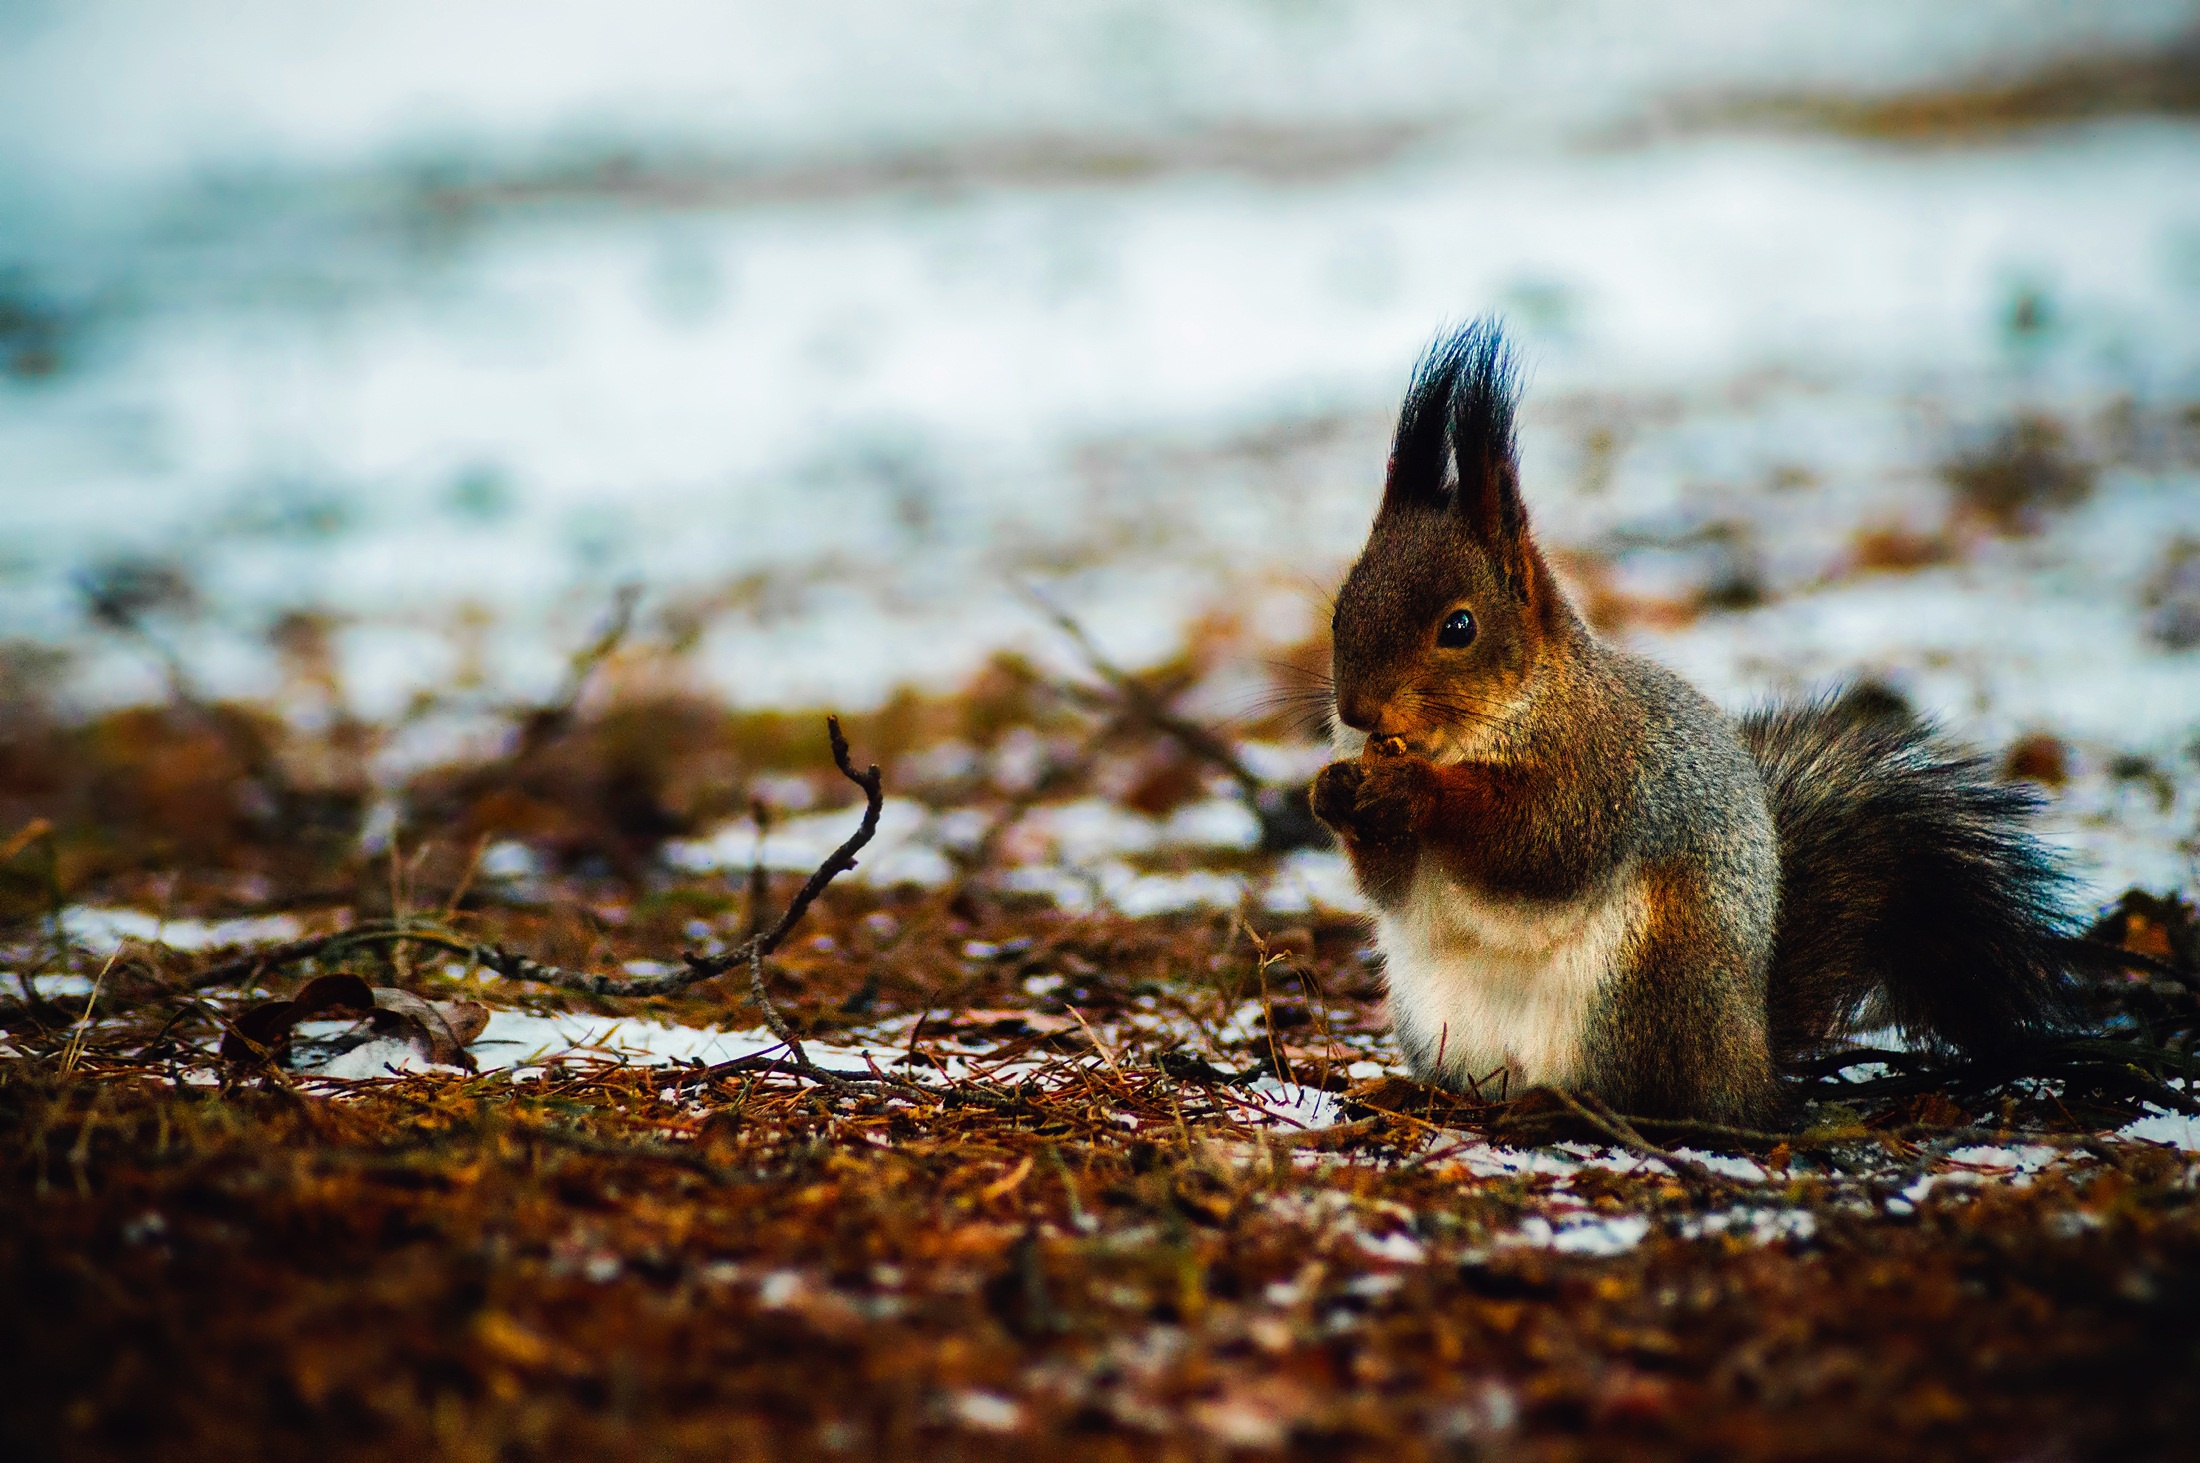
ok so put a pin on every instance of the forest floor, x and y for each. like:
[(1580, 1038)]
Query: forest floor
[(382, 1068), (1094, 1141)]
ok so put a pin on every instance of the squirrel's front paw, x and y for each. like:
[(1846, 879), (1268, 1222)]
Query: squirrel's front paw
[(1336, 793), (1389, 791), (1372, 800)]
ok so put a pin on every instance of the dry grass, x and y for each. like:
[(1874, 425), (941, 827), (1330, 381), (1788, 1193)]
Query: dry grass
[(584, 1269), (1122, 1256)]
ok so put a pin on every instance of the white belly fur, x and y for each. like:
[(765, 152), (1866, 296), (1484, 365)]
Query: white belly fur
[(1502, 988)]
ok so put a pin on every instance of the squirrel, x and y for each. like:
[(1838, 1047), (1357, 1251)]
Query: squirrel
[(1585, 876)]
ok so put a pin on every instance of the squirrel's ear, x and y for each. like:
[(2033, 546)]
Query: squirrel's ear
[(1454, 450), (1419, 474), (1485, 391)]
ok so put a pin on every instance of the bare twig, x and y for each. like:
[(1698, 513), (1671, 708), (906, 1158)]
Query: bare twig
[(243, 969), (1286, 822), (759, 880), (698, 968), (121, 607), (555, 715), (1097, 1044), (513, 965), (770, 1012), (466, 877), (1141, 700), (1616, 1128), (842, 859), (75, 1048)]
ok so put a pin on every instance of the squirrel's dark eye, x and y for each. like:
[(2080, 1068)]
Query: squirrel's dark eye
[(1457, 631)]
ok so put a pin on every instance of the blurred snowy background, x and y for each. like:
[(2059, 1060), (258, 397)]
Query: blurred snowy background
[(1864, 338)]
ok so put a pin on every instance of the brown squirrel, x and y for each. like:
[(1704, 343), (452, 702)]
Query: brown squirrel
[(1585, 876)]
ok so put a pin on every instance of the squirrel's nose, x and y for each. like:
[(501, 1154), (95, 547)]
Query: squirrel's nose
[(1361, 713)]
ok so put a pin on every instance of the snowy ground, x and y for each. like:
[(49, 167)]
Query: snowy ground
[(845, 353), (332, 1054), (833, 328)]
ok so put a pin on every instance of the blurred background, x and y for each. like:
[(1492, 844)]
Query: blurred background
[(356, 354)]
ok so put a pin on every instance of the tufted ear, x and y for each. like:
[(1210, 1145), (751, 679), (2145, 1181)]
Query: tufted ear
[(1454, 450), (1420, 470), (1484, 394)]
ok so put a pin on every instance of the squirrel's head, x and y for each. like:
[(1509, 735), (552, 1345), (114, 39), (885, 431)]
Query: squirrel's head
[(1443, 617)]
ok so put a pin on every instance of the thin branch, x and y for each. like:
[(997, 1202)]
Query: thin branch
[(698, 968), (772, 1018), (246, 968), (546, 721), (843, 858), (1141, 700), (513, 965), (1286, 822), (1616, 1128)]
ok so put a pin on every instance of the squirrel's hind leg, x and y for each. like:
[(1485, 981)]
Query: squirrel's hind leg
[(1681, 1030)]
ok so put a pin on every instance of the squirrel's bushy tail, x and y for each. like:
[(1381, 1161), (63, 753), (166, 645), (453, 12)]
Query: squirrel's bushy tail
[(1911, 892)]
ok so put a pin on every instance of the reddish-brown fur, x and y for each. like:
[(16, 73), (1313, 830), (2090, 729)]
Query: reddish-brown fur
[(1510, 767), (1582, 875)]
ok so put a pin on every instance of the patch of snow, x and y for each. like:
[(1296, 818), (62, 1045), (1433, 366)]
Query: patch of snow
[(1977, 1164), (745, 465), (1992, 1161), (1398, 1248), (1732, 1165), (1284, 763), (1597, 1235), (1212, 823), (1294, 1105), (1071, 852), (1493, 1160), (781, 1289), (1089, 832), (902, 851), (508, 858), (986, 1411), (377, 1058), (2177, 1130), (1072, 892), (1138, 894), (784, 792), (1242, 1025), (103, 931), (522, 1039), (1490, 1410), (1313, 878), (1762, 1226)]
